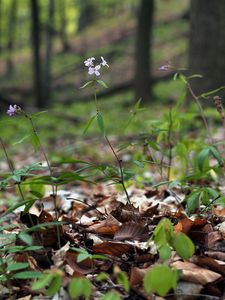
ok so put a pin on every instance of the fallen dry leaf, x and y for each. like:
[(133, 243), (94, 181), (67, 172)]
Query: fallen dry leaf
[(132, 231), (108, 227), (194, 273), (112, 248), (86, 266)]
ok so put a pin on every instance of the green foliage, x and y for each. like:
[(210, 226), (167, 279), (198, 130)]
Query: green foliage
[(160, 279), (165, 239), (79, 287), (50, 282), (111, 296), (183, 246)]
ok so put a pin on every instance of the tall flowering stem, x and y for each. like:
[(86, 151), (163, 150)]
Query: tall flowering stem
[(54, 187), (95, 70), (14, 110)]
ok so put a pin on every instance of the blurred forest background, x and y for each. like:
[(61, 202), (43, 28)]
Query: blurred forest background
[(43, 44)]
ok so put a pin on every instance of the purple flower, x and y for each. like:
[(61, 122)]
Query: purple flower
[(165, 68), (89, 62), (12, 110), (94, 70)]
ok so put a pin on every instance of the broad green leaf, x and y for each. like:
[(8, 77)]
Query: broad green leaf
[(193, 202), (202, 157), (43, 281), (27, 275), (165, 252), (159, 279), (17, 266), (163, 232), (184, 246), (79, 287), (26, 238), (102, 83), (54, 285)]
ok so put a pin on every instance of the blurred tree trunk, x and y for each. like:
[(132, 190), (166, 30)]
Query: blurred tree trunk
[(87, 14), (142, 80), (11, 35), (63, 25), (35, 38), (48, 55), (1, 25), (207, 44)]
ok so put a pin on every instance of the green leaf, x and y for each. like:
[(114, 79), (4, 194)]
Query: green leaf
[(79, 287), (202, 157), (101, 124), (27, 275), (193, 202), (102, 83), (163, 232), (111, 296), (17, 266), (83, 256), (183, 78), (165, 252), (43, 281), (184, 246), (86, 84), (54, 285), (21, 140), (90, 121), (123, 280), (26, 238), (35, 141), (205, 95), (216, 154), (159, 279), (102, 276)]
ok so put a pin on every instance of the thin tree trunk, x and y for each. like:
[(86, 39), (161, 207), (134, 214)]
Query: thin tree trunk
[(11, 35), (142, 78), (1, 25), (35, 38), (207, 45), (47, 66), (63, 25)]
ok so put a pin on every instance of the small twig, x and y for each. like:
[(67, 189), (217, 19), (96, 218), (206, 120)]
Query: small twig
[(89, 205), (201, 111)]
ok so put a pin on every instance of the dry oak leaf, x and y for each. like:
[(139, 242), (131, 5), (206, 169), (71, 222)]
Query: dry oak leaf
[(108, 227), (194, 273), (132, 231), (112, 248), (86, 266)]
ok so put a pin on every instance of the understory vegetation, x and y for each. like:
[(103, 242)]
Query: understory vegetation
[(129, 218)]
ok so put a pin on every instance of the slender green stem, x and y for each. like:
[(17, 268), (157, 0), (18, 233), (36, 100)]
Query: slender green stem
[(54, 188), (195, 97), (170, 144)]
